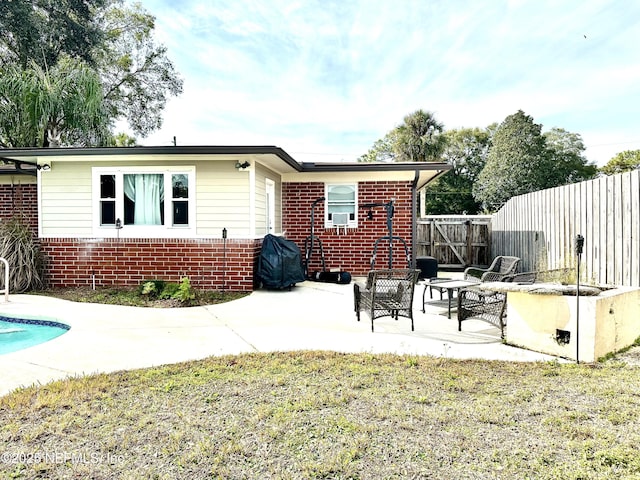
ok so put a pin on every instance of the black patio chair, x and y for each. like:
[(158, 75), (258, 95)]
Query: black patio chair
[(501, 267), (387, 293), (485, 305)]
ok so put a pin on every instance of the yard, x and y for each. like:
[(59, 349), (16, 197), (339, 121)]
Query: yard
[(330, 415)]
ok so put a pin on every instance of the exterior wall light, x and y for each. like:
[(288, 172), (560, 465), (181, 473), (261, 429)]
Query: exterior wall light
[(242, 165), (44, 167)]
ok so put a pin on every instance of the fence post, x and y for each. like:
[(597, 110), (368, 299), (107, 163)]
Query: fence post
[(469, 225)]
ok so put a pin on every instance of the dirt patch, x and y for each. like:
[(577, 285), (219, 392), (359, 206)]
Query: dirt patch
[(131, 296), (630, 357)]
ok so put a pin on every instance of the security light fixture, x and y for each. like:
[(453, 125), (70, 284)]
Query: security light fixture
[(242, 165), (44, 167)]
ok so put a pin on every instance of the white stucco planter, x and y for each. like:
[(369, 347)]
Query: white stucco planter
[(544, 320)]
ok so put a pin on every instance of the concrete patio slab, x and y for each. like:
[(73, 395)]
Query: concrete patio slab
[(312, 316)]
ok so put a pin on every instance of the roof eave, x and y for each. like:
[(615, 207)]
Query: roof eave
[(18, 153), (374, 166)]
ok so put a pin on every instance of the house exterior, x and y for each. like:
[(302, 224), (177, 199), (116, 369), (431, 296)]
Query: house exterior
[(119, 216)]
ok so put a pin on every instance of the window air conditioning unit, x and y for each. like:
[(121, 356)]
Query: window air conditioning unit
[(340, 219)]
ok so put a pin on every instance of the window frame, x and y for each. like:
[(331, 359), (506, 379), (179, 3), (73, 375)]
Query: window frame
[(168, 230), (328, 223)]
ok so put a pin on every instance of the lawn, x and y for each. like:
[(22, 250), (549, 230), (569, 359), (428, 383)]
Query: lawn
[(328, 415)]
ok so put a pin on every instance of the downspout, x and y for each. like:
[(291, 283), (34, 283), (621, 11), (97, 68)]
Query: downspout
[(414, 213), (414, 217)]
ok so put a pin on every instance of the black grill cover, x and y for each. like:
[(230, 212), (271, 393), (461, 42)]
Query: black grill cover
[(280, 263)]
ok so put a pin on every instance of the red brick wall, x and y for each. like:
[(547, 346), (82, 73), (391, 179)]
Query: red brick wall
[(351, 251), (21, 200), (72, 262)]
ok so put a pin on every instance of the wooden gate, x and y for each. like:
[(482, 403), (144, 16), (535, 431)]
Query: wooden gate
[(456, 241)]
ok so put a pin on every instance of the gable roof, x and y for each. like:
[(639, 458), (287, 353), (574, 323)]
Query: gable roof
[(26, 160)]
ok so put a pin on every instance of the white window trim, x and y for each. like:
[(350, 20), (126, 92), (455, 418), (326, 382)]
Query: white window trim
[(142, 231), (329, 224)]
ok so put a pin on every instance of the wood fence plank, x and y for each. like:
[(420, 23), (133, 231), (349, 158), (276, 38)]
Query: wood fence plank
[(616, 240), (625, 212), (634, 237), (541, 228)]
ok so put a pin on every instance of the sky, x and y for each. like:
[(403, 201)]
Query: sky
[(325, 79)]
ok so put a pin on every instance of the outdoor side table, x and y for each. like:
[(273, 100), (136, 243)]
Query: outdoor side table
[(430, 285), (450, 286)]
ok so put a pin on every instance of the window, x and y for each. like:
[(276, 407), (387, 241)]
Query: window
[(180, 198), (341, 204), (144, 199), (107, 199)]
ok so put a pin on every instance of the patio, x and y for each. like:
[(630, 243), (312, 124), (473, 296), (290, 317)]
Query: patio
[(313, 316)]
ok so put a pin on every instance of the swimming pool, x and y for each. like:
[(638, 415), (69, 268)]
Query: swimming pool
[(19, 333)]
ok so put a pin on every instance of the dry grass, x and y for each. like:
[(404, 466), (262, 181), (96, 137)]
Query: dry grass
[(329, 415)]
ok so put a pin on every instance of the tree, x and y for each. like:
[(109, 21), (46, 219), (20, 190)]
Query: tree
[(418, 139), (522, 160), (48, 107), (42, 30), (466, 150), (136, 73), (518, 162), (115, 40), (122, 140), (382, 150), (622, 162), (569, 163)]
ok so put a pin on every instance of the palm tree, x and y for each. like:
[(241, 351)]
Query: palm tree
[(42, 107), (420, 138)]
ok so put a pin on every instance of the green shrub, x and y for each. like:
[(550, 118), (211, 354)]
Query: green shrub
[(26, 261), (169, 290), (184, 293), (151, 288)]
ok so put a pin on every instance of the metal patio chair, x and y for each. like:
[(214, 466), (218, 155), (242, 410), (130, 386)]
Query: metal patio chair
[(501, 267), (387, 293), (483, 305)]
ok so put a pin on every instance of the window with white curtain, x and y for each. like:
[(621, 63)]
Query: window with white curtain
[(149, 199), (341, 204), (143, 198)]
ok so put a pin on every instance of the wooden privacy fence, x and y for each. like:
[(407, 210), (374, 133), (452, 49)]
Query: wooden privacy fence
[(456, 241), (541, 228)]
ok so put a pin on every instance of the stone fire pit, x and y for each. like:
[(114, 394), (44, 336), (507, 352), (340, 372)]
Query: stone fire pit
[(542, 317)]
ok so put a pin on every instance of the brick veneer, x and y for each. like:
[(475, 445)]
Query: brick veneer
[(351, 251), (73, 262), (20, 200)]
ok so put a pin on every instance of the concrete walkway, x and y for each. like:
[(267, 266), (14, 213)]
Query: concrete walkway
[(312, 316)]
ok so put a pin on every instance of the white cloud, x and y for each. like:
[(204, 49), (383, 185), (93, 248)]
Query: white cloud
[(329, 78)]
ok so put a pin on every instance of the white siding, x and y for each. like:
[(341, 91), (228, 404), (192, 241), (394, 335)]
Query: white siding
[(222, 200), (65, 201), (349, 177), (262, 173)]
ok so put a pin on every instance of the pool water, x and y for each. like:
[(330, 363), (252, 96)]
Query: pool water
[(19, 333)]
